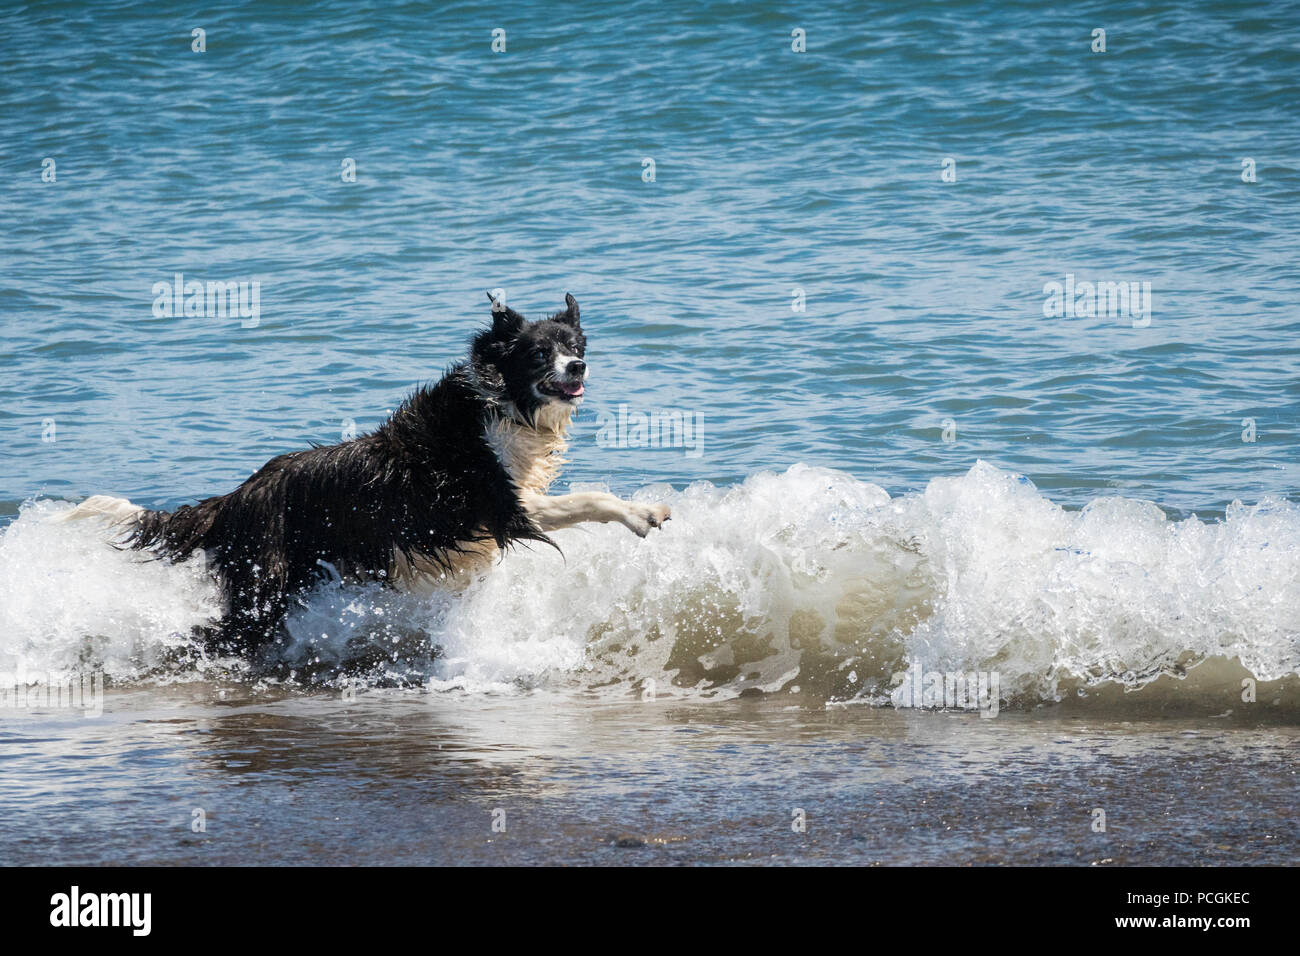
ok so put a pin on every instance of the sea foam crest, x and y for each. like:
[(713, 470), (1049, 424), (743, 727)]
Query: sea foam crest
[(807, 581)]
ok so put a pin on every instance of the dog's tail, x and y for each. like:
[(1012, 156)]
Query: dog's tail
[(175, 534), (115, 511)]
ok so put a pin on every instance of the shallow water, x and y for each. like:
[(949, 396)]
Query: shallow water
[(397, 777), (918, 473)]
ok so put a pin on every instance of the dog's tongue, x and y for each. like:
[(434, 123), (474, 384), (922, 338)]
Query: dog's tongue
[(574, 390)]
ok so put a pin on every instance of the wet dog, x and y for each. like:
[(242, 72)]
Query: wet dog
[(457, 474)]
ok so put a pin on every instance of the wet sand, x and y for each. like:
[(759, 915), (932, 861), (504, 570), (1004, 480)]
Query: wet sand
[(409, 777)]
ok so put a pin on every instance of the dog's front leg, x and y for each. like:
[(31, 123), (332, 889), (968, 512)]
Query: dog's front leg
[(552, 512)]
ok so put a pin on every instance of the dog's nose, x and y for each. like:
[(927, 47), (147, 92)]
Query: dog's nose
[(577, 367)]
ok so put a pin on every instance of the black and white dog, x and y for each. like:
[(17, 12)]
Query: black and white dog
[(459, 472)]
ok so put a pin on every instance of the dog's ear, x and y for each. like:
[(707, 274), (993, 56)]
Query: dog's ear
[(505, 320), (570, 315)]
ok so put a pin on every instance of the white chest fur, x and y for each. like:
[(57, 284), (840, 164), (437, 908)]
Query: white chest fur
[(532, 456)]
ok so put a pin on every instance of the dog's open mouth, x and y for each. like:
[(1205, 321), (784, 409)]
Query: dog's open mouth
[(565, 390)]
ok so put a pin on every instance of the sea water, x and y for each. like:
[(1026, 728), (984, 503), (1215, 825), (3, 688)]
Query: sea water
[(964, 350)]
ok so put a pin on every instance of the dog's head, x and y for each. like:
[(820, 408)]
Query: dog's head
[(534, 365)]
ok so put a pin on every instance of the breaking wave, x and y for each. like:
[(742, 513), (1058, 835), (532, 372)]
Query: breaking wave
[(808, 583)]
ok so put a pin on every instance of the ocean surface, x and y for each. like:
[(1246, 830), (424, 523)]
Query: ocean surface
[(978, 349)]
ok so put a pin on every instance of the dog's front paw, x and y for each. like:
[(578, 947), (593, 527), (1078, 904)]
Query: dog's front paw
[(642, 517)]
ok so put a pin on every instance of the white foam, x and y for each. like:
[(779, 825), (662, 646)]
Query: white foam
[(69, 601), (807, 578)]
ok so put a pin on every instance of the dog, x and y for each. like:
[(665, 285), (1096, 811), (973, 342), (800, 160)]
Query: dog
[(458, 474)]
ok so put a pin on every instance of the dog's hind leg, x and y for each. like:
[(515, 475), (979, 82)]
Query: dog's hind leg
[(114, 510), (552, 512)]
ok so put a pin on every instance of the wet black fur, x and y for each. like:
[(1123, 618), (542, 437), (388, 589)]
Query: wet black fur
[(421, 482)]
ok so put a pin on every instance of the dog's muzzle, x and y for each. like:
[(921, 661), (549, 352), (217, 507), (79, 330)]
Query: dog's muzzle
[(568, 386)]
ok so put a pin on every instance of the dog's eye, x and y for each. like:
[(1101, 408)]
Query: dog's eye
[(539, 354)]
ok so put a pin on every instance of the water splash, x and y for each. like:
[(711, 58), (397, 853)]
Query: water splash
[(807, 581)]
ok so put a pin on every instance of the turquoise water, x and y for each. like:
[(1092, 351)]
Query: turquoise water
[(903, 458), (773, 170)]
